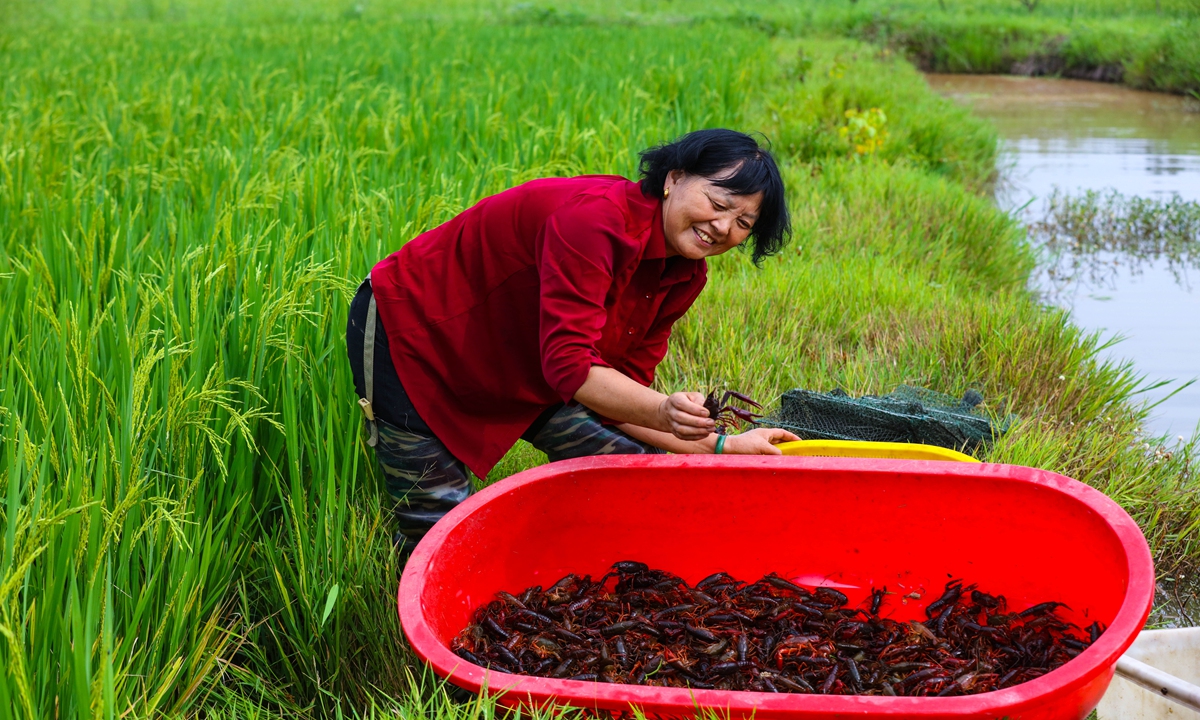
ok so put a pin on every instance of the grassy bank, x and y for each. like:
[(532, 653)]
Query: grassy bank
[(1141, 43), (191, 523), (1146, 44), (1143, 50)]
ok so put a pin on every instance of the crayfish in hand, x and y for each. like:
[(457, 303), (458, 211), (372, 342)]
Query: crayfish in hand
[(727, 416)]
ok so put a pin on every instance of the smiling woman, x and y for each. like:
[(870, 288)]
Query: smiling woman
[(542, 312), (726, 189)]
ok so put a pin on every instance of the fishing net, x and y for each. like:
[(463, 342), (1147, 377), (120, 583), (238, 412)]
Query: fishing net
[(907, 414)]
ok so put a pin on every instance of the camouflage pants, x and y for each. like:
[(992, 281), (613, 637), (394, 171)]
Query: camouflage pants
[(420, 474), (426, 481)]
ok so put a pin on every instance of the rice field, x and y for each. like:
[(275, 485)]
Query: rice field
[(189, 193)]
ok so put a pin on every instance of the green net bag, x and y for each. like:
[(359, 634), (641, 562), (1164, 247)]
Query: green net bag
[(907, 414)]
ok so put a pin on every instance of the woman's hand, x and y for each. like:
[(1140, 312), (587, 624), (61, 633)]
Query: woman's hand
[(759, 441), (680, 416), (683, 415)]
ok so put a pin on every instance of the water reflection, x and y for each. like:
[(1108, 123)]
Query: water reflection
[(1077, 135), (1089, 237), (1034, 167), (1043, 108)]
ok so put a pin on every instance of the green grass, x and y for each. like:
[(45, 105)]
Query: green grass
[(1148, 44), (191, 523), (1141, 43)]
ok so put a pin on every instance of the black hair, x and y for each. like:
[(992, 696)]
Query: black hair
[(709, 152)]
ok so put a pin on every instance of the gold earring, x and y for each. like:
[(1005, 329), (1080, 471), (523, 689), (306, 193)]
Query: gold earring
[(666, 192)]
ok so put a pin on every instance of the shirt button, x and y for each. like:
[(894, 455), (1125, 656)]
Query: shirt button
[(630, 331), (647, 297)]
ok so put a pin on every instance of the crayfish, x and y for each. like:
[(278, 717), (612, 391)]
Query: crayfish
[(641, 626), (727, 416)]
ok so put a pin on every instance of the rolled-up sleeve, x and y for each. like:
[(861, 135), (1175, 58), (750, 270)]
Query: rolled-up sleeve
[(580, 246)]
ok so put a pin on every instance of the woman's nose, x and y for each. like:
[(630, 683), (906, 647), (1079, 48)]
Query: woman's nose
[(721, 224)]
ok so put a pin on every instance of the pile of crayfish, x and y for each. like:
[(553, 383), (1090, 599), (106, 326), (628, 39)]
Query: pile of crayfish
[(641, 626)]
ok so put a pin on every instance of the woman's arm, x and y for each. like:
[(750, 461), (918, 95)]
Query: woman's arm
[(670, 443), (759, 441), (676, 423), (610, 393)]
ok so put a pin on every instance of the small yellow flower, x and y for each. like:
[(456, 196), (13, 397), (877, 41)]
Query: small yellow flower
[(864, 131)]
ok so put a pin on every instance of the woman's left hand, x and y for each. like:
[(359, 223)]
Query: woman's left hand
[(759, 441)]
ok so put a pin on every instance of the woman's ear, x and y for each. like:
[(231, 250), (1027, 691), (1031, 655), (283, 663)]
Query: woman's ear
[(673, 179)]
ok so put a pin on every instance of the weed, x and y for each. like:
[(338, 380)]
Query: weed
[(1091, 236), (864, 131)]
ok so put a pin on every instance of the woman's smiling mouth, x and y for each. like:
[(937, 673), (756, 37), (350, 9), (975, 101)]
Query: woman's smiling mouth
[(704, 237)]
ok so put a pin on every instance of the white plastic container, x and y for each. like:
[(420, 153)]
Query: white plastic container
[(1174, 652)]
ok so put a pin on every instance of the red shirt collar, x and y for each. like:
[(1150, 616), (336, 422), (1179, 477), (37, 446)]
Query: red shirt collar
[(645, 210), (645, 213)]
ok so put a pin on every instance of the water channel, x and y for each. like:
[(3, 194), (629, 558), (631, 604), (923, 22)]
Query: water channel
[(1074, 136)]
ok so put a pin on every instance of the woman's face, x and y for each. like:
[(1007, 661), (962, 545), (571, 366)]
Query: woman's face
[(701, 219)]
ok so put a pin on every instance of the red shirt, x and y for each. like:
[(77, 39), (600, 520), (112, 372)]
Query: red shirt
[(499, 313)]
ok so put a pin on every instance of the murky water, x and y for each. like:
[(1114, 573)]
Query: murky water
[(1076, 135)]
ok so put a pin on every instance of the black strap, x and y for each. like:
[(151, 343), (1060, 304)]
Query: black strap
[(369, 370)]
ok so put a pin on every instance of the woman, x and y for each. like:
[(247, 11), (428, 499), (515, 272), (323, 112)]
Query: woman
[(542, 312)]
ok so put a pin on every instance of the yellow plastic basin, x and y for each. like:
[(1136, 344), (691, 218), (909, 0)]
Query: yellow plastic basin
[(861, 449)]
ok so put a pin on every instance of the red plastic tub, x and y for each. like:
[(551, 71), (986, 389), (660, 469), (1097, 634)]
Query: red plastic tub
[(1029, 534)]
